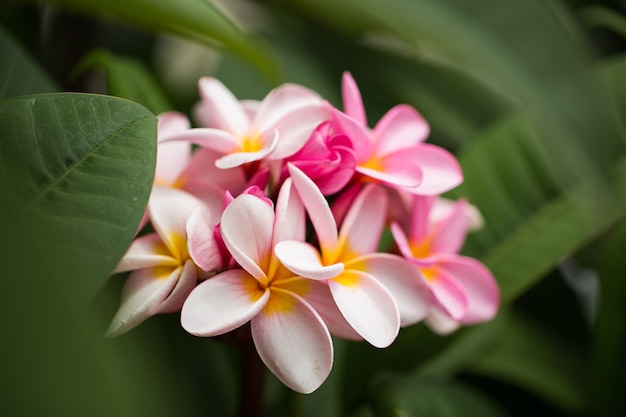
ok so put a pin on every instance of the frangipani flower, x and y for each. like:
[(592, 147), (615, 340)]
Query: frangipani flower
[(163, 272), (327, 158), (278, 128), (394, 152), (361, 281), (463, 290), (290, 336)]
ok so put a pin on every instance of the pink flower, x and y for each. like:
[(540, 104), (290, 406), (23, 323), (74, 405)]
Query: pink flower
[(374, 292), (241, 133), (463, 290), (163, 271), (394, 152), (289, 334), (328, 159)]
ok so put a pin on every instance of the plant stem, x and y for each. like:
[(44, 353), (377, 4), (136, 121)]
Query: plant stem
[(251, 377)]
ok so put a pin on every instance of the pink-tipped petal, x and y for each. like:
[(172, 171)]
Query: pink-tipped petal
[(352, 101), (172, 157), (169, 210), (202, 168), (449, 293), (449, 233), (303, 259), (146, 251), (290, 223), (359, 134), (269, 141), (479, 285), (318, 295), (401, 128), (223, 303), (317, 207), (171, 123), (203, 248), (367, 305), (441, 170), (281, 102), (369, 208), (143, 292), (186, 282), (296, 128), (226, 111), (401, 240), (293, 342), (246, 227), (396, 170), (403, 280), (215, 139), (420, 217), (440, 322)]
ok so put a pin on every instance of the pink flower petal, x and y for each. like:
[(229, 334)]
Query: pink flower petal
[(281, 102), (172, 157), (171, 123), (169, 210), (441, 170), (246, 227), (440, 321), (186, 282), (145, 252), (401, 128), (396, 170), (269, 141), (403, 280), (226, 111), (369, 208), (449, 233), (318, 295), (144, 290), (293, 342), (358, 133), (223, 303), (296, 128), (479, 285), (290, 223), (352, 102), (449, 293), (367, 305), (317, 207), (203, 248), (420, 217), (303, 259), (218, 140), (202, 168)]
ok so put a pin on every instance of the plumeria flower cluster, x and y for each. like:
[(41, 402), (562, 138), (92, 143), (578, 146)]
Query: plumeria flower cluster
[(230, 210)]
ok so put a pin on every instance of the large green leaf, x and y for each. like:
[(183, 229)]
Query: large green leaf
[(530, 357), (85, 164), (198, 20), (19, 74), (608, 383)]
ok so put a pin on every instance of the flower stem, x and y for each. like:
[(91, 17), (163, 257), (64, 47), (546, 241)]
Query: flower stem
[(251, 377)]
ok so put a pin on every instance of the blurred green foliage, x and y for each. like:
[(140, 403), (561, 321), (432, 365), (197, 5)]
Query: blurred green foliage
[(530, 95)]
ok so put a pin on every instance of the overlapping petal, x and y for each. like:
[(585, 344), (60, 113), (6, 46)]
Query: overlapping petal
[(401, 128), (293, 342), (367, 305), (146, 251), (226, 111), (223, 303)]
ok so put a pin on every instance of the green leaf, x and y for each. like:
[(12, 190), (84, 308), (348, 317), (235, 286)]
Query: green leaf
[(128, 78), (533, 217), (530, 357), (432, 398), (600, 16), (609, 361), (84, 164), (198, 20), (19, 73)]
